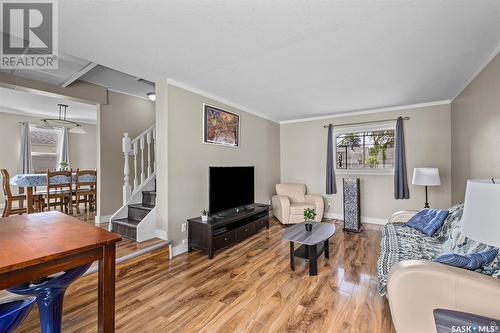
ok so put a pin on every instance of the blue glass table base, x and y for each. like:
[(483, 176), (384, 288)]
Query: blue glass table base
[(49, 293), (13, 313)]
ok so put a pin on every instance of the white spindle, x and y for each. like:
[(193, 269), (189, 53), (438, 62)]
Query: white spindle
[(154, 148), (126, 170), (142, 159), (131, 147), (136, 180), (148, 141)]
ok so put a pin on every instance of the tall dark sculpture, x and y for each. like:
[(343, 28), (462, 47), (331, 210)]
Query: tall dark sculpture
[(352, 211)]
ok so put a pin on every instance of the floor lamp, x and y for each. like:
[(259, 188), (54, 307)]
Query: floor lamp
[(481, 211), (426, 177)]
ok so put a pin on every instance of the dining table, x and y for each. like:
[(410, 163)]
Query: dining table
[(30, 181), (37, 245)]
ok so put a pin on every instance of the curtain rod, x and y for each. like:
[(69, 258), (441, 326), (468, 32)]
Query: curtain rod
[(368, 122)]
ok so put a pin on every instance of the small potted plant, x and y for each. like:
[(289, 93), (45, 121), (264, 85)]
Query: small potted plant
[(63, 166), (309, 215), (204, 215)]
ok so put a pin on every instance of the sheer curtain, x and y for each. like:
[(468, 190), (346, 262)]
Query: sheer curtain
[(63, 147), (25, 162)]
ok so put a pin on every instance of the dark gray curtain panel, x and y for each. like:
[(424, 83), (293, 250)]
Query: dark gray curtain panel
[(331, 186), (401, 190)]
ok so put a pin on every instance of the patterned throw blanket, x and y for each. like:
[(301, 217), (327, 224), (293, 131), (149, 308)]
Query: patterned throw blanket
[(400, 242)]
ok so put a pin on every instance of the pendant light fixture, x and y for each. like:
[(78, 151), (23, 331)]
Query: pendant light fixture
[(61, 121)]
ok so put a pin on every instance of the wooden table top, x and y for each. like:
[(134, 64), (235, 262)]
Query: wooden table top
[(319, 233), (31, 239)]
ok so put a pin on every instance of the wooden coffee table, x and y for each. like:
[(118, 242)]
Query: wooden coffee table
[(314, 243)]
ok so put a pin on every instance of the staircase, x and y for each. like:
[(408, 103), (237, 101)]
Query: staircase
[(136, 218), (127, 226)]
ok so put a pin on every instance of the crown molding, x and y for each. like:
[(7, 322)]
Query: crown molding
[(216, 98), (369, 111), (478, 71), (219, 99)]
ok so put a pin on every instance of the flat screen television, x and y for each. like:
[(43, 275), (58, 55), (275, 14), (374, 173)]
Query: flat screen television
[(230, 187)]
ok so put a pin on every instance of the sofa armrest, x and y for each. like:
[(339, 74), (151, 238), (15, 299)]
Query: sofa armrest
[(319, 203), (402, 216), (281, 208), (416, 287)]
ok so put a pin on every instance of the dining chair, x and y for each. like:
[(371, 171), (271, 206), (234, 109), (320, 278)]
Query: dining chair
[(85, 189), (10, 198), (59, 188)]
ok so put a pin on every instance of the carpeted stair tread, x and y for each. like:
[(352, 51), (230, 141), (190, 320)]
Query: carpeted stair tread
[(142, 206), (131, 223)]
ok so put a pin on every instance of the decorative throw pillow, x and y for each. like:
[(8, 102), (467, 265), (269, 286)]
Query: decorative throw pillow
[(450, 223), (470, 261), (428, 220)]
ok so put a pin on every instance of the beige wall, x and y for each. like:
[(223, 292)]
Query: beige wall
[(428, 143), (83, 147), (123, 113), (475, 124), (189, 158)]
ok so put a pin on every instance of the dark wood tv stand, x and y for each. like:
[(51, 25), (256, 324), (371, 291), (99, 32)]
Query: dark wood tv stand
[(227, 228)]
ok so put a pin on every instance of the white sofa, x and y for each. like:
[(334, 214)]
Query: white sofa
[(416, 287), (290, 202)]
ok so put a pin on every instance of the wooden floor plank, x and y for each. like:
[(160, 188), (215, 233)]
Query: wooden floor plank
[(246, 288)]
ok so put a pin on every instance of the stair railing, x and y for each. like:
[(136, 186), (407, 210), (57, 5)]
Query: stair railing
[(142, 169)]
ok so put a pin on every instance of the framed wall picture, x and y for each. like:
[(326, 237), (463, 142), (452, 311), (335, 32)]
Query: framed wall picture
[(220, 127)]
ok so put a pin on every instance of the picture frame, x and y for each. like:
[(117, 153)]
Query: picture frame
[(220, 127)]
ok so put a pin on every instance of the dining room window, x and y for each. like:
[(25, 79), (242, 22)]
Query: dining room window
[(43, 149)]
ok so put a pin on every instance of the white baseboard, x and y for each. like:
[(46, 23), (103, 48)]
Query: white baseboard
[(161, 234), (179, 249), (364, 219), (103, 218)]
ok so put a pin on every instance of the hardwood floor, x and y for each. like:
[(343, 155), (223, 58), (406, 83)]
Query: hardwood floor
[(125, 247), (246, 288)]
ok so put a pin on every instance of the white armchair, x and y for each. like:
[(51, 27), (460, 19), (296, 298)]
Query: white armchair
[(290, 202)]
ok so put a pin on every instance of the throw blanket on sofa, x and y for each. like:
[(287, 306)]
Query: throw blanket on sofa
[(400, 242)]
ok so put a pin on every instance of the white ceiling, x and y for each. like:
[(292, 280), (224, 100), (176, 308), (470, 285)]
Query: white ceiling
[(35, 105), (67, 71), (291, 59), (118, 81), (73, 68)]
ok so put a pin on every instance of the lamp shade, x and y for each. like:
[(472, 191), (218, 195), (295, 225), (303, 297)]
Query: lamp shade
[(426, 176), (77, 130), (481, 217)]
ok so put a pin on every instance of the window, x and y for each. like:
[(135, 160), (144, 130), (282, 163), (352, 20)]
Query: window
[(365, 149), (43, 149)]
